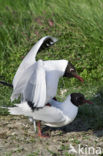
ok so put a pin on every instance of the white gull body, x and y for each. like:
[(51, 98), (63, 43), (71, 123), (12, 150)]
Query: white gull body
[(57, 115), (37, 81)]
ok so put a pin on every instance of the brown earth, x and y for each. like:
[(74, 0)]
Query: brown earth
[(17, 138)]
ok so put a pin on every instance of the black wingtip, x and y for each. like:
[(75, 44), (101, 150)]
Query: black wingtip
[(49, 41), (6, 84)]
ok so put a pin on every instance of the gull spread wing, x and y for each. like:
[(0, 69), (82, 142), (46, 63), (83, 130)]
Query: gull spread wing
[(30, 57)]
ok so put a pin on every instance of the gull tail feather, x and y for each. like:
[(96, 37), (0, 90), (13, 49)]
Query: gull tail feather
[(20, 109), (14, 110)]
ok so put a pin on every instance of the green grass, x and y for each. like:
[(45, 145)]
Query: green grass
[(79, 27)]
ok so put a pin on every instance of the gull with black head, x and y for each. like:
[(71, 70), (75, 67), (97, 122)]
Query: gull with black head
[(37, 81), (54, 114)]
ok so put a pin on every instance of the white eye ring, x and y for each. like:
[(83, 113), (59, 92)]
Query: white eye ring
[(71, 69)]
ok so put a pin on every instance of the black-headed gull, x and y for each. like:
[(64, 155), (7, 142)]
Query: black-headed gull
[(54, 114), (37, 81)]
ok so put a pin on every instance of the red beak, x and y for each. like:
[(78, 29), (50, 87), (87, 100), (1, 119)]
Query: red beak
[(87, 101), (78, 77)]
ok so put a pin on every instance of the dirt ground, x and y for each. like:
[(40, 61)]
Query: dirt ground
[(17, 138)]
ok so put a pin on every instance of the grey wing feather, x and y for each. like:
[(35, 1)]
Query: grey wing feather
[(32, 86), (49, 114), (35, 90), (19, 88)]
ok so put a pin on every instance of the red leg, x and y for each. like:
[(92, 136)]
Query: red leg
[(48, 104), (39, 131)]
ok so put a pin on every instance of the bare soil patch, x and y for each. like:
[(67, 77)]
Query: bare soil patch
[(17, 138)]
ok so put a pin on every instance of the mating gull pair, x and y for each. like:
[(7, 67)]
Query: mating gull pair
[(37, 81)]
